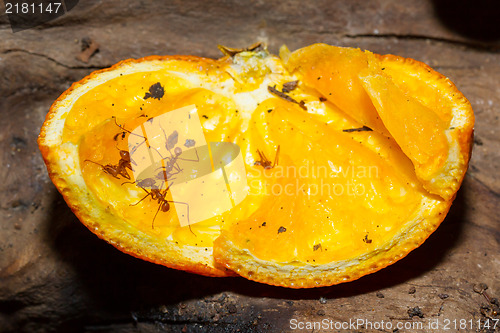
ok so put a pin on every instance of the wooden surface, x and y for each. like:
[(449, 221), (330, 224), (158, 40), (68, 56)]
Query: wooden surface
[(55, 275)]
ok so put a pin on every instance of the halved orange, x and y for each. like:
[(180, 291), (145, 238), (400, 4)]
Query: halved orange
[(371, 152)]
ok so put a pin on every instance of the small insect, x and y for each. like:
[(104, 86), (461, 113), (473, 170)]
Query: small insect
[(172, 166), (264, 162), (119, 169), (163, 204), (113, 170)]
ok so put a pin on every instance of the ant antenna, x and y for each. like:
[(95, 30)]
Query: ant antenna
[(124, 129), (102, 166)]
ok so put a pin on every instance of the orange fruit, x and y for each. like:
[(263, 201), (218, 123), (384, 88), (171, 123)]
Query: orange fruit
[(351, 160)]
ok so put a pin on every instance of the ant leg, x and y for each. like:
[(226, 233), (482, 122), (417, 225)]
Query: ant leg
[(177, 167), (126, 130), (102, 166), (124, 173), (132, 152), (116, 146), (107, 169), (184, 203), (153, 223), (147, 195), (196, 160), (160, 154), (169, 185), (171, 174), (135, 147), (113, 175)]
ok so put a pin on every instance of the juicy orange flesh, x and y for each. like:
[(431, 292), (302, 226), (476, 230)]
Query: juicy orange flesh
[(333, 72), (410, 84), (119, 98), (355, 193), (379, 94), (418, 130), (330, 198)]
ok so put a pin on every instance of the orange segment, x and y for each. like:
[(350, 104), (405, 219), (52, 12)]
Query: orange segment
[(333, 71), (350, 198), (435, 107), (419, 81), (419, 131)]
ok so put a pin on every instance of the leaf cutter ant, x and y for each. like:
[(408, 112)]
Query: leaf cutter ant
[(163, 204), (172, 166), (119, 169)]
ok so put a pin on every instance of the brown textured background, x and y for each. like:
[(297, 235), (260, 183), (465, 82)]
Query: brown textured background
[(55, 275)]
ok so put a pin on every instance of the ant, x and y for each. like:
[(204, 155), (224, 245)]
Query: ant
[(172, 167), (125, 162), (163, 203), (119, 169), (264, 162)]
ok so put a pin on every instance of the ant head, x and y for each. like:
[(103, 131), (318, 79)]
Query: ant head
[(178, 151), (125, 155)]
